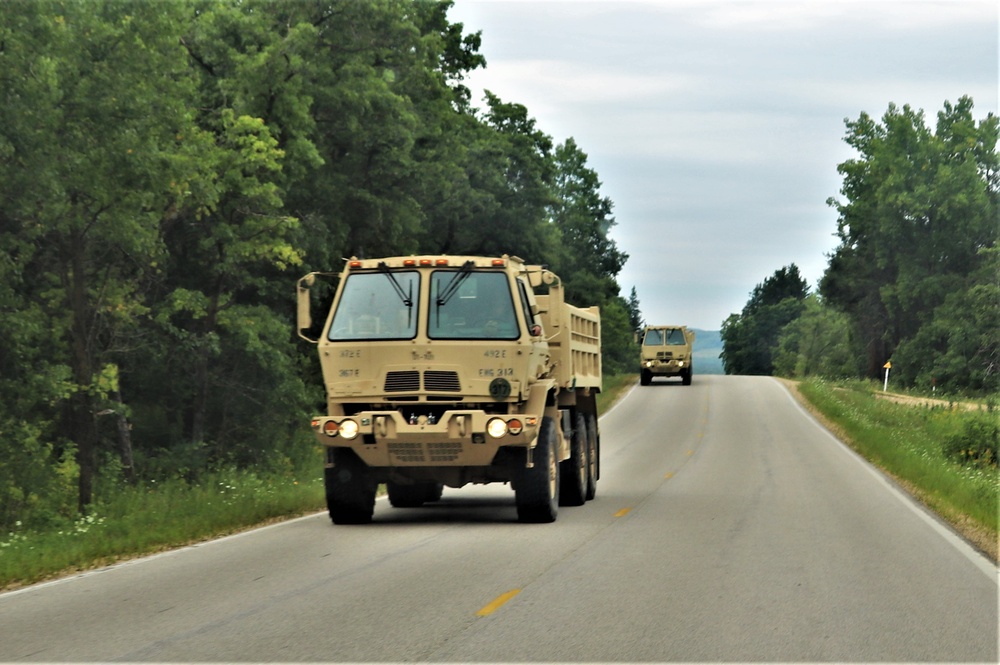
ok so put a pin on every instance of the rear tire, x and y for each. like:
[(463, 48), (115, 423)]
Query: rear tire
[(537, 489), (593, 457), (406, 496), (433, 492), (413, 495), (573, 471), (350, 489)]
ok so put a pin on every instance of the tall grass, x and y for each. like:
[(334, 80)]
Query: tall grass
[(613, 388), (131, 521), (909, 442)]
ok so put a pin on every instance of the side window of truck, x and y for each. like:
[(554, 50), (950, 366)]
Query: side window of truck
[(529, 318)]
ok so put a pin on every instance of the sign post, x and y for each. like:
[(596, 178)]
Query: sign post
[(887, 366)]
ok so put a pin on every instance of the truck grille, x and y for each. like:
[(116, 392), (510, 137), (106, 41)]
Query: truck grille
[(409, 381), (442, 381), (414, 453), (402, 381), (664, 355)]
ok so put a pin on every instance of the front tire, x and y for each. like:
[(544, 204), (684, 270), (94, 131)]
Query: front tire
[(645, 376), (350, 489), (537, 489)]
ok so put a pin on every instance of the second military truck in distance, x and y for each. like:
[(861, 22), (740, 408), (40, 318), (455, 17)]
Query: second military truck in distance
[(666, 351), (450, 370)]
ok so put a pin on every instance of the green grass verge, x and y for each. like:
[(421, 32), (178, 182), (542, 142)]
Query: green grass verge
[(908, 443), (613, 389), (134, 521)]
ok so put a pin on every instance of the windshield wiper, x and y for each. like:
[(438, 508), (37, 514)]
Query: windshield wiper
[(452, 288), (407, 299)]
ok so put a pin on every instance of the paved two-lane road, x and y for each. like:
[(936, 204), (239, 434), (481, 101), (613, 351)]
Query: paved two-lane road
[(728, 526)]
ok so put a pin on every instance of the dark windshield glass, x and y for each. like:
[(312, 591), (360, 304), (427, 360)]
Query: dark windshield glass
[(481, 308), (371, 307), (675, 336), (661, 336), (653, 338)]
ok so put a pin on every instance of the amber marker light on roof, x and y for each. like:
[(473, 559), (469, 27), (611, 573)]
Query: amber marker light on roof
[(409, 263), (498, 263)]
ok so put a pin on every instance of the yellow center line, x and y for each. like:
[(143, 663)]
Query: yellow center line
[(622, 512), (669, 475), (495, 605)]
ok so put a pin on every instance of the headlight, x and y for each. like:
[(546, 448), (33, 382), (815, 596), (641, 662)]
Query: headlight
[(496, 428), (348, 429)]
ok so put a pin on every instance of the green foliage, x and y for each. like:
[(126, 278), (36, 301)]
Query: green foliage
[(131, 521), (959, 348), (634, 312), (977, 443), (168, 169), (914, 279), (906, 441), (817, 343), (920, 207), (588, 260), (619, 350), (751, 339)]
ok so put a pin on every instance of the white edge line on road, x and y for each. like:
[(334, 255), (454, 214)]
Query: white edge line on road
[(618, 401), (971, 553), (151, 557)]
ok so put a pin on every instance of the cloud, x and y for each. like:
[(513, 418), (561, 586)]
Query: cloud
[(716, 127)]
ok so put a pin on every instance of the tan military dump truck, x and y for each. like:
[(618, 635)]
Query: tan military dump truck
[(665, 351), (450, 370)]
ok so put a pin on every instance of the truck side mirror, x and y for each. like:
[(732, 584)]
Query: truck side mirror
[(304, 314)]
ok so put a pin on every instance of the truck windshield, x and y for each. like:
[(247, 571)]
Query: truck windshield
[(653, 338), (482, 307), (675, 337), (661, 336), (377, 306)]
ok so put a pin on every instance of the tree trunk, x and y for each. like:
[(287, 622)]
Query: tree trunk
[(124, 439), (82, 416)]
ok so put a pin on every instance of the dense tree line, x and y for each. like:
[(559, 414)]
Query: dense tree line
[(915, 279), (167, 169)]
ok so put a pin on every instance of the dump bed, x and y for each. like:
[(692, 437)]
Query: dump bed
[(574, 340)]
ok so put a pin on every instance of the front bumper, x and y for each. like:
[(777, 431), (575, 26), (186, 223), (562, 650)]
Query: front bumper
[(458, 438), (666, 367)]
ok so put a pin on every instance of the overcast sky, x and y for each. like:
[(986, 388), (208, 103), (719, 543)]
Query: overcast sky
[(716, 128)]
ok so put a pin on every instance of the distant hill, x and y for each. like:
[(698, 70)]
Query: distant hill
[(707, 347)]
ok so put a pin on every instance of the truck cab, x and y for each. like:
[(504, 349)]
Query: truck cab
[(443, 371), (666, 351)]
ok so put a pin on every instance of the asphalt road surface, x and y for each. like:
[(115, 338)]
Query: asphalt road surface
[(728, 526)]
